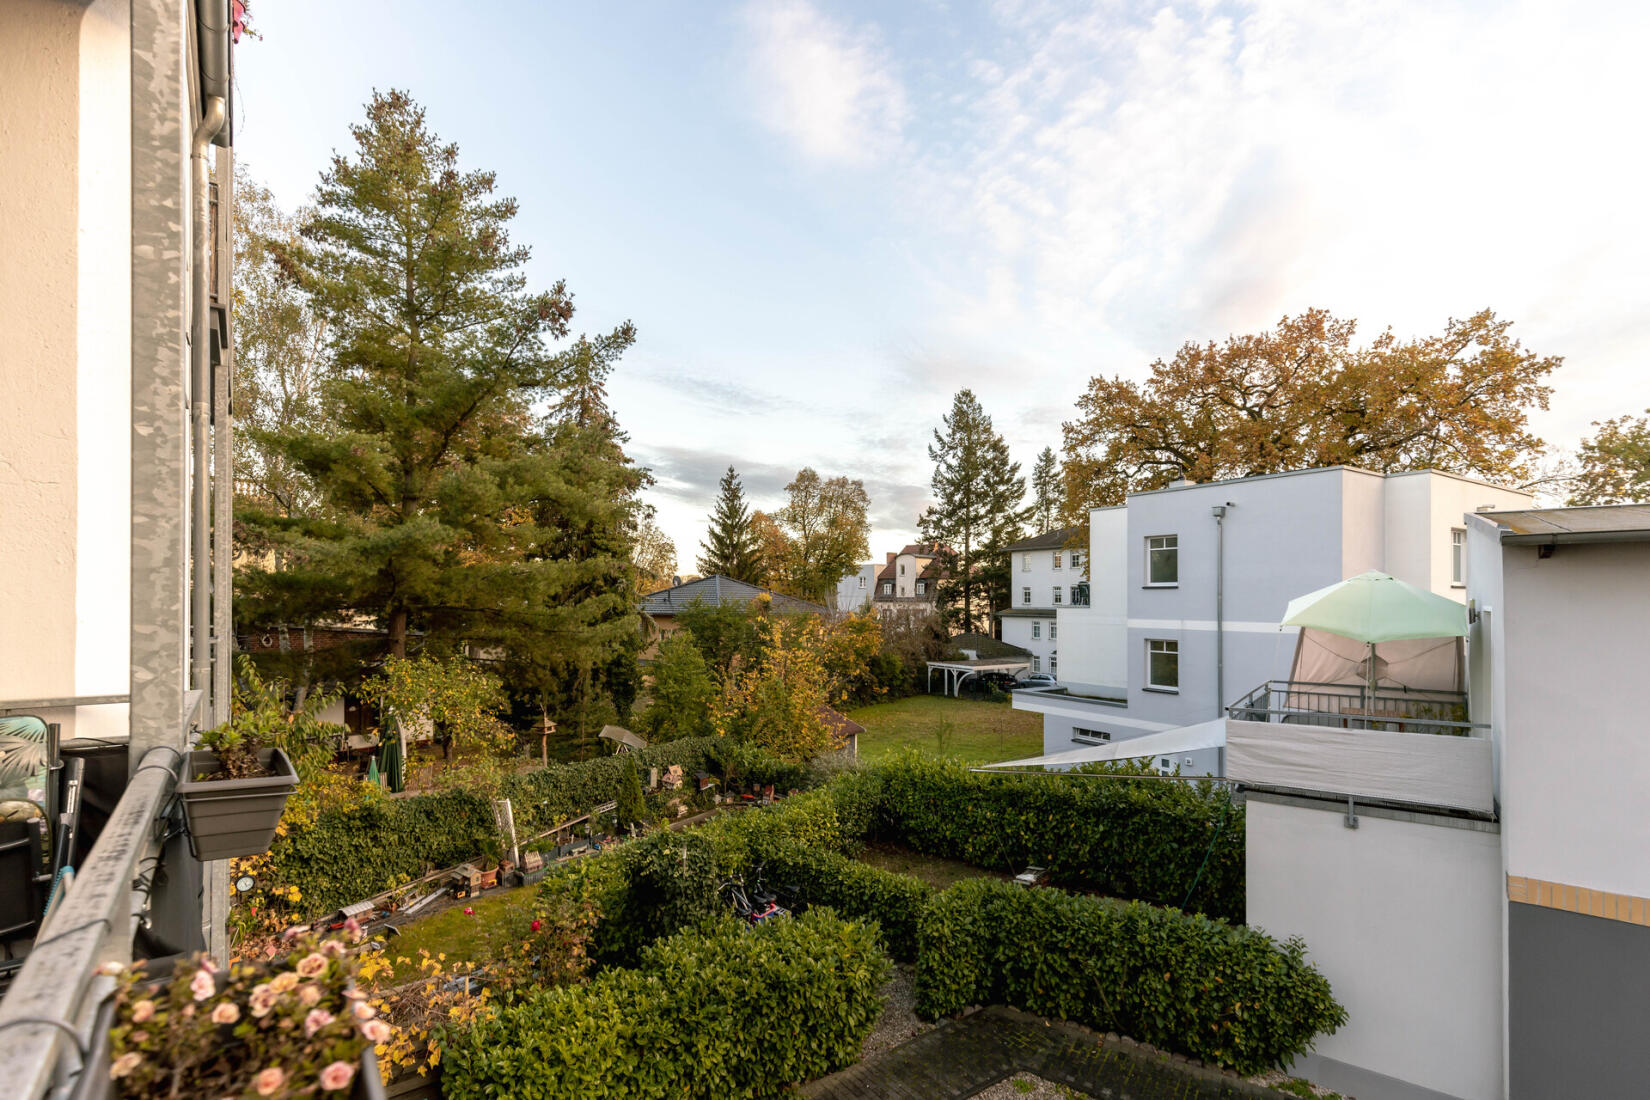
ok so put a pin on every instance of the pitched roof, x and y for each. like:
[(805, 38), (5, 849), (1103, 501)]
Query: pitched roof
[(986, 646), (1048, 540), (841, 727), (719, 592)]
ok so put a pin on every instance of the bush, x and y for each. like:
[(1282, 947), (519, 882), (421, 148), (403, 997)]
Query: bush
[(1172, 843), (722, 1011), (896, 902), (1185, 983)]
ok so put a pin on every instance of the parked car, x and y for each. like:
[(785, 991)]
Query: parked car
[(1036, 680)]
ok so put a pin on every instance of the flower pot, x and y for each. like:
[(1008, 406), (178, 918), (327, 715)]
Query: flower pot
[(234, 817)]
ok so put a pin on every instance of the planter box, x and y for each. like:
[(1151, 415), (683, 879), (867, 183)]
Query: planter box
[(234, 817)]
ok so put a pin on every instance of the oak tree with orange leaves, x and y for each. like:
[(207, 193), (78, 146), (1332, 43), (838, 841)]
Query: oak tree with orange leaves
[(1305, 395)]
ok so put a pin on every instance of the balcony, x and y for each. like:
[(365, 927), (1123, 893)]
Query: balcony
[(1079, 595), (1356, 707)]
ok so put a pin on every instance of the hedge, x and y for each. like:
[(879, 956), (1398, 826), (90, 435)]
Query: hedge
[(896, 902), (1145, 839), (1200, 987), (722, 1011), (354, 852)]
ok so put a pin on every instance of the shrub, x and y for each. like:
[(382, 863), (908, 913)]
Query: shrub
[(722, 1011), (896, 902), (1172, 843), (1203, 988)]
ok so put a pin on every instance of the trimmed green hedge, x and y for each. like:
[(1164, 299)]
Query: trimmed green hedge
[(352, 853), (896, 902), (1205, 988), (723, 1011), (1144, 839)]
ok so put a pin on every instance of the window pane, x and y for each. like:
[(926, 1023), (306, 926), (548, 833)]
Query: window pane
[(1163, 559), (1056, 593), (1163, 664)]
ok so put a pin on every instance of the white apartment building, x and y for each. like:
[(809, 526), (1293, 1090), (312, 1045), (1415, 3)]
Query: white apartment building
[(853, 591), (1187, 584), (1046, 577)]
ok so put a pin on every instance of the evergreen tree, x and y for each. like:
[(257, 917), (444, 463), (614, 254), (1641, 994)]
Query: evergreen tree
[(682, 691), (1045, 490), (978, 510), (730, 548), (447, 511)]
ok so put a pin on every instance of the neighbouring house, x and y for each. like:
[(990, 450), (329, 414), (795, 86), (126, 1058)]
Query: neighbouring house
[(660, 609), (844, 732), (853, 591), (908, 582), (1045, 577), (116, 355), (1187, 585)]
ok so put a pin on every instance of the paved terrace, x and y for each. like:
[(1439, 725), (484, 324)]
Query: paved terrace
[(960, 1057)]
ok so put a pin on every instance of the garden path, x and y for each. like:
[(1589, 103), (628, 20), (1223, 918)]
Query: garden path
[(963, 1056)]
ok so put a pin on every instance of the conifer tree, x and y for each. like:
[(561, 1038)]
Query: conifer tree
[(978, 510), (449, 511), (1045, 490), (730, 548)]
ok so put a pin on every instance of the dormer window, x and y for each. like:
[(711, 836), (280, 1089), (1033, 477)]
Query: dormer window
[(887, 588), (922, 588)]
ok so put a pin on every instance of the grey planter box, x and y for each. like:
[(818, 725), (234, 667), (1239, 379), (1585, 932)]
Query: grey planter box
[(234, 817)]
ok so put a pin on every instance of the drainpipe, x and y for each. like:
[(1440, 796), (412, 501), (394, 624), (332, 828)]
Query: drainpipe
[(1219, 512), (200, 397)]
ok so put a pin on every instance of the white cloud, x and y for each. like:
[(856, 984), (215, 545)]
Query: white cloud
[(828, 87)]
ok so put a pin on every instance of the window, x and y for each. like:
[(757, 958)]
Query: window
[(1057, 559), (902, 569), (1057, 591), (1036, 663), (1054, 664), (862, 582), (1053, 631), (1025, 595), (1036, 629), (887, 588), (1163, 560), (1162, 664), (1458, 556), (1025, 563), (1076, 558), (1080, 734), (922, 588)]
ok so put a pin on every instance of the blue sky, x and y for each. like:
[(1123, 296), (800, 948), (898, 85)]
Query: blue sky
[(824, 219)]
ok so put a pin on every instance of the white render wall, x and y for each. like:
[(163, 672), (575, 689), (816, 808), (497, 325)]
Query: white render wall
[(65, 381), (1404, 919)]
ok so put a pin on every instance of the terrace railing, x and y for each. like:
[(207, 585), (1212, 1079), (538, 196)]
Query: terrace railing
[(1355, 706)]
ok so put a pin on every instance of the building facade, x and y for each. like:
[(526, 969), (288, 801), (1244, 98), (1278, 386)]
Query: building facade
[(1188, 584), (1046, 577), (853, 591), (908, 582)]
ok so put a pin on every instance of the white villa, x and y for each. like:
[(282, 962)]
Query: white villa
[(1046, 578)]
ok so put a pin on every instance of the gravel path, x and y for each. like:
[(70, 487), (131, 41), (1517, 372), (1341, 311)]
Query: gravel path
[(899, 1022), (1028, 1086)]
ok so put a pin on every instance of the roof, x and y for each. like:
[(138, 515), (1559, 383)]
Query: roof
[(987, 647), (719, 592), (1599, 523), (1030, 612), (840, 725), (1182, 485), (1048, 540)]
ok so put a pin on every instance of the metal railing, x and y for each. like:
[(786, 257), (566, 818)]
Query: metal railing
[(46, 1018), (1355, 706)]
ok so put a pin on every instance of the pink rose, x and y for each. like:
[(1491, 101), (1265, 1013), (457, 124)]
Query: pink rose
[(202, 985), (143, 1011), (226, 1013), (269, 1081), (316, 1020), (376, 1031), (140, 1036), (312, 965), (337, 1076), (309, 995), (335, 948), (125, 1064), (286, 981), (353, 927), (363, 1011), (263, 999), (293, 933), (208, 965)]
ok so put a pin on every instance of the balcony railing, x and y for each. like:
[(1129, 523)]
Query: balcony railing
[(1355, 706)]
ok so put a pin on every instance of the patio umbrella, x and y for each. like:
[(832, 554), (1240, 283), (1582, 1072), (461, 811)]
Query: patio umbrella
[(372, 771), (395, 760), (1373, 607)]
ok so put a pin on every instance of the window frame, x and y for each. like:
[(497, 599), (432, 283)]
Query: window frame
[(1037, 629), (922, 588), (1458, 557), (1054, 631), (1035, 663), (1150, 683), (1025, 596), (1057, 557), (887, 588), (1054, 665), (1058, 602), (1025, 562), (1172, 543)]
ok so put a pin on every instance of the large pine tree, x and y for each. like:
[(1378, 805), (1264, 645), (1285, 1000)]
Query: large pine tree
[(730, 548), (450, 509), (1045, 492), (978, 510)]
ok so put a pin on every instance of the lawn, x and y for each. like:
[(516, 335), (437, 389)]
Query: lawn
[(974, 731), (463, 939), (939, 873)]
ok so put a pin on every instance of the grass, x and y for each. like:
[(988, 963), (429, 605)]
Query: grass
[(975, 731), (464, 939), (938, 873)]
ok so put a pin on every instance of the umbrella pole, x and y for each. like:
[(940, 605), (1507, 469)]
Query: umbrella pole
[(1369, 663)]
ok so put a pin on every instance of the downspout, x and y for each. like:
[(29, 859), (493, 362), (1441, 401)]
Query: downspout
[(200, 397), (1219, 512)]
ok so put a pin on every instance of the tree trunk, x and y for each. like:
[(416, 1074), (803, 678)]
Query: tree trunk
[(398, 632)]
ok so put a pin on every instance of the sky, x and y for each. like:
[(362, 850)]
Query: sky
[(825, 219)]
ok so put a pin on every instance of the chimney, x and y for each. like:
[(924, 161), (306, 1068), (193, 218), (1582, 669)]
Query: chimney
[(891, 557)]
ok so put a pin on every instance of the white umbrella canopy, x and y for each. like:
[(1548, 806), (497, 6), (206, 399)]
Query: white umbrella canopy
[(1373, 607)]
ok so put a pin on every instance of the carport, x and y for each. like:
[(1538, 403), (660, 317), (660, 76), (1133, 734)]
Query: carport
[(955, 673)]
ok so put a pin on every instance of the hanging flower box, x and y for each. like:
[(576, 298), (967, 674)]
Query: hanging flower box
[(234, 817)]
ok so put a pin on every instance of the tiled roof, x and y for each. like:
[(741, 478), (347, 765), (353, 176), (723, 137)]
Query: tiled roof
[(719, 592), (1048, 540)]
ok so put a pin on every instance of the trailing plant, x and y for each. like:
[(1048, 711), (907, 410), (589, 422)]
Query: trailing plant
[(260, 718), (1201, 987), (719, 1011)]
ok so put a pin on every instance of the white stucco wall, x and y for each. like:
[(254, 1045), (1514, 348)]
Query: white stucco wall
[(1404, 919), (1575, 761)]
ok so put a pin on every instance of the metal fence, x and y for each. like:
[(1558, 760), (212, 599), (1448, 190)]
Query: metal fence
[(1355, 706)]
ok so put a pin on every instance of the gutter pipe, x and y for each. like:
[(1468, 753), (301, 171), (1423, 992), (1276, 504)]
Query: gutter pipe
[(200, 397), (1219, 512)]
